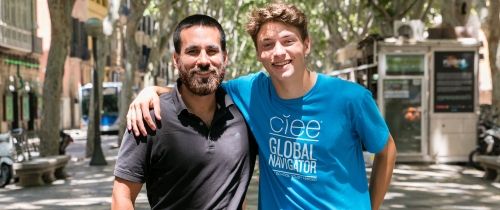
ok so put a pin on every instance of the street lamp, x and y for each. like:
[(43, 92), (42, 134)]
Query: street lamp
[(94, 29)]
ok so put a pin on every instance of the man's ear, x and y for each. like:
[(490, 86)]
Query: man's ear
[(226, 58), (175, 56)]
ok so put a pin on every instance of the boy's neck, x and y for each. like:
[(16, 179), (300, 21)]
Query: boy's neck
[(295, 87)]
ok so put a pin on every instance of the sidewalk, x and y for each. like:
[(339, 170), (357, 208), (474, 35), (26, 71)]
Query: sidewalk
[(413, 187), (88, 187), (441, 187)]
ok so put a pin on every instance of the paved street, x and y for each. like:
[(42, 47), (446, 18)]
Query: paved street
[(413, 187)]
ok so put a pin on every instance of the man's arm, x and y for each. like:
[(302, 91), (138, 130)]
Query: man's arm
[(381, 173), (124, 194), (139, 109)]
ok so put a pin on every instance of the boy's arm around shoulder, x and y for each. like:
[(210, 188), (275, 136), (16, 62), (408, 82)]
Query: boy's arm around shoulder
[(138, 111)]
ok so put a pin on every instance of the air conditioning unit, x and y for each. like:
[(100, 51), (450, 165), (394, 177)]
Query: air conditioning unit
[(413, 29)]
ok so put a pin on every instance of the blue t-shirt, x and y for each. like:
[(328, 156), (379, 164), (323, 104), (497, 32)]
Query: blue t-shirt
[(310, 148)]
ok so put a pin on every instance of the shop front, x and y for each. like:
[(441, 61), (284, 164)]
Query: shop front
[(19, 91)]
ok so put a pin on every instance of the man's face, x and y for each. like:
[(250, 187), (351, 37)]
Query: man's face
[(281, 50), (201, 61)]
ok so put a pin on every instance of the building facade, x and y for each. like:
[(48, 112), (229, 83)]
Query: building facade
[(78, 66), (20, 49)]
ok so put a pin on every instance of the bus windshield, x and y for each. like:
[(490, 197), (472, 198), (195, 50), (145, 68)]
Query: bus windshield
[(109, 109)]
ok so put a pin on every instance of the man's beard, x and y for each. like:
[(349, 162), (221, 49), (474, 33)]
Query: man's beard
[(201, 86)]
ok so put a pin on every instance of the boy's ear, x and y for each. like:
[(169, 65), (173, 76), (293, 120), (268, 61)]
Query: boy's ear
[(307, 46)]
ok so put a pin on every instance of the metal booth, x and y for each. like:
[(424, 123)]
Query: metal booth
[(428, 94)]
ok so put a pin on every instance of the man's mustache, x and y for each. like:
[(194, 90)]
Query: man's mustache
[(210, 69)]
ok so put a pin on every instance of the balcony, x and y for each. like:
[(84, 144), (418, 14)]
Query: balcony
[(16, 38)]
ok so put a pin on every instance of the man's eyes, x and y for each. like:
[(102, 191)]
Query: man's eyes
[(212, 52), (196, 52)]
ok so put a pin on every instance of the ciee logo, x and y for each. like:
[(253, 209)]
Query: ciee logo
[(294, 127)]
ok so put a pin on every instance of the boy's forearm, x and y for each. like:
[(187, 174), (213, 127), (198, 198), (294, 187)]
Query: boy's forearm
[(381, 174)]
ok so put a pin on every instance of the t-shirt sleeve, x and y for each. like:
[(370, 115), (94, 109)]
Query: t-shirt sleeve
[(240, 89), (131, 161), (369, 123)]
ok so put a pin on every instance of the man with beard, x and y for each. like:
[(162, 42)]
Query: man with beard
[(200, 157)]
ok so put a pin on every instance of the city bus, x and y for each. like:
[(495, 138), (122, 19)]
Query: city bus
[(109, 110)]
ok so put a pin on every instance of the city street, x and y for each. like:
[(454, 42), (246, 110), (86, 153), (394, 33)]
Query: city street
[(413, 187)]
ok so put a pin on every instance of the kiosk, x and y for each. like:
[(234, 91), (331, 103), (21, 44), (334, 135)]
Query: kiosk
[(428, 93)]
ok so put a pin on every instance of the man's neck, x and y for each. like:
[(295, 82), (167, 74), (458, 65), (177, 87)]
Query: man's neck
[(295, 87), (202, 106)]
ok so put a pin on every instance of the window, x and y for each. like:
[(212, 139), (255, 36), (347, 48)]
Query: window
[(405, 64)]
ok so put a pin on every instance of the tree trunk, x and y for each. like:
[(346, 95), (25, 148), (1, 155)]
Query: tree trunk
[(128, 81), (60, 16), (492, 31), (455, 13), (99, 58), (131, 60)]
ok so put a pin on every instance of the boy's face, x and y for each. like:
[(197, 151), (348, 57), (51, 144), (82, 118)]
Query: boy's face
[(201, 61), (281, 50)]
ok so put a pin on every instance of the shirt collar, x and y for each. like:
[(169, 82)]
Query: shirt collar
[(221, 98)]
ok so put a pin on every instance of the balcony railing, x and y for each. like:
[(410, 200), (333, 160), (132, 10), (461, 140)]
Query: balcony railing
[(16, 38)]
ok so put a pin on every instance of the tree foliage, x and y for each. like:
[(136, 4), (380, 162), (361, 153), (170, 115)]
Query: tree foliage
[(332, 25)]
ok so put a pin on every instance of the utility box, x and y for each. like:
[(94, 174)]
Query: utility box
[(428, 94)]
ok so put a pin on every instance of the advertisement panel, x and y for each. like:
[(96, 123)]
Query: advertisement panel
[(454, 81)]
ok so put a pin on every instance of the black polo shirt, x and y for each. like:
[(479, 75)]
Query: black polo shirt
[(187, 165)]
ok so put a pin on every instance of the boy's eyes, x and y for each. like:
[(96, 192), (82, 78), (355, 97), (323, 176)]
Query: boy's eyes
[(289, 42), (286, 42), (267, 44)]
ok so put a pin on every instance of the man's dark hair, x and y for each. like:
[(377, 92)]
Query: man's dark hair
[(198, 20)]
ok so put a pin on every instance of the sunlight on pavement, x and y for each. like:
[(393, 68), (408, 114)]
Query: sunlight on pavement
[(75, 201), (467, 207), (22, 206), (416, 172), (434, 185), (6, 199), (393, 195), (91, 181), (398, 206)]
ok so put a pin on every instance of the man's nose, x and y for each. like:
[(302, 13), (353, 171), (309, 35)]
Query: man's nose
[(203, 60)]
